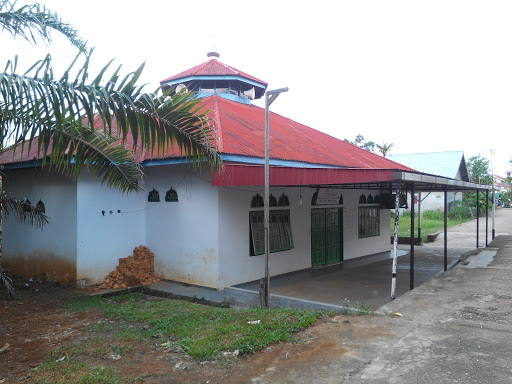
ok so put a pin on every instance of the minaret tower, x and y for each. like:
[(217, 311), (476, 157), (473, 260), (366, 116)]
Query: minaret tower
[(216, 78)]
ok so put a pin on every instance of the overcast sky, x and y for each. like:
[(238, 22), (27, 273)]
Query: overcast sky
[(426, 76)]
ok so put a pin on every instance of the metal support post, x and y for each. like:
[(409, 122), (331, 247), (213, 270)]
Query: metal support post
[(419, 215), (270, 96), (486, 217), (395, 239), (493, 212), (411, 285), (445, 228), (477, 216)]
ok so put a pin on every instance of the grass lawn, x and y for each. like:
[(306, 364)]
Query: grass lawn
[(429, 224), (144, 333), (200, 331)]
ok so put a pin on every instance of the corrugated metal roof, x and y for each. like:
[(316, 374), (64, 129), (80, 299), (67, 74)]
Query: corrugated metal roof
[(240, 130), (447, 164), (212, 68), (246, 175)]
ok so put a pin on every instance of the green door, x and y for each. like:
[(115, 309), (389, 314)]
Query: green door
[(326, 236), (317, 237)]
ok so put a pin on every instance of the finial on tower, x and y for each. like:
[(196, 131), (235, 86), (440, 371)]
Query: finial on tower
[(214, 52)]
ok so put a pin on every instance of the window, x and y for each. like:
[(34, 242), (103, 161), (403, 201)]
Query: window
[(283, 201), (369, 221), (280, 232)]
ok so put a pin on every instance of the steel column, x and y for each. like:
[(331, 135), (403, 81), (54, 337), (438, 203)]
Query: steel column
[(445, 228), (395, 239), (486, 217), (411, 285), (477, 215), (419, 215), (493, 211)]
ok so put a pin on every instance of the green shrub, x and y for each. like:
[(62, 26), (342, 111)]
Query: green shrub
[(457, 210), (433, 215)]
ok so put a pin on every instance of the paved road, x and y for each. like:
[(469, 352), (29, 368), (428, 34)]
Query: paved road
[(456, 328), (464, 235)]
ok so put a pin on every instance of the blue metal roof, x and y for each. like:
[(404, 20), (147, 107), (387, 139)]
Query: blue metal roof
[(446, 164)]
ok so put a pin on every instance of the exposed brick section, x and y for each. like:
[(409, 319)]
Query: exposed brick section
[(137, 269)]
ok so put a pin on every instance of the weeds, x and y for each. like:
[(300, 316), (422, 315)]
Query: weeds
[(358, 308)]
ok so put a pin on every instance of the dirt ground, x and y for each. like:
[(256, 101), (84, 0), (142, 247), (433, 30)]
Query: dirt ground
[(36, 324)]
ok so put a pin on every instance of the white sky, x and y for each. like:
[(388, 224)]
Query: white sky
[(426, 76)]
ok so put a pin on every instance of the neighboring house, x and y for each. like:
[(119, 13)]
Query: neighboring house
[(207, 229), (501, 183), (451, 164)]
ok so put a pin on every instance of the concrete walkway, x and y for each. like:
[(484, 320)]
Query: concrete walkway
[(455, 328), (464, 235), (364, 281)]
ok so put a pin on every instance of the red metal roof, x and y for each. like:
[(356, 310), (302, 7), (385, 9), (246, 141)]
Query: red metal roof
[(240, 130), (212, 68), (245, 175)]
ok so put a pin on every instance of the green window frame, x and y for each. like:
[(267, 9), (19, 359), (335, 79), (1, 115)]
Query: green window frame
[(369, 221), (280, 231)]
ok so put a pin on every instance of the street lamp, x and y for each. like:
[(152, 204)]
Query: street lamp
[(270, 96)]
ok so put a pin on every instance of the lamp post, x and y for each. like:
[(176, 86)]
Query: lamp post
[(270, 96)]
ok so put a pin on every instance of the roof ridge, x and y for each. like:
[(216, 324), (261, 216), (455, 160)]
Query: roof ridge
[(218, 130), (424, 153), (236, 71)]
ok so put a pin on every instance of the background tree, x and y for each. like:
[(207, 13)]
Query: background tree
[(479, 172), (76, 123), (362, 143), (384, 148)]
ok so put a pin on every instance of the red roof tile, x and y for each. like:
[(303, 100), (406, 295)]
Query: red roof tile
[(212, 68)]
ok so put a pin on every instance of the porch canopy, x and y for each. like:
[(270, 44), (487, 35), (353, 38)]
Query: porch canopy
[(389, 180), (346, 178)]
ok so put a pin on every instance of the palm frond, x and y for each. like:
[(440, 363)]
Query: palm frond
[(34, 102), (32, 21), (111, 163), (64, 113), (6, 282), (23, 210)]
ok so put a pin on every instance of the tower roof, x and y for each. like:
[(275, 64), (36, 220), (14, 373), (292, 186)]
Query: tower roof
[(212, 67)]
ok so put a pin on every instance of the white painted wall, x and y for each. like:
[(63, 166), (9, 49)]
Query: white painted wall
[(433, 201), (238, 266), (354, 246), (236, 263), (203, 239), (184, 236), (28, 250), (104, 238)]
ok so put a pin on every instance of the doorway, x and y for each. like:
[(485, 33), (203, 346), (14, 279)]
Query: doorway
[(326, 236)]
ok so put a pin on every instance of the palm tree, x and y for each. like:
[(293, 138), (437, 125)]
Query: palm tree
[(384, 148), (59, 117), (62, 112)]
